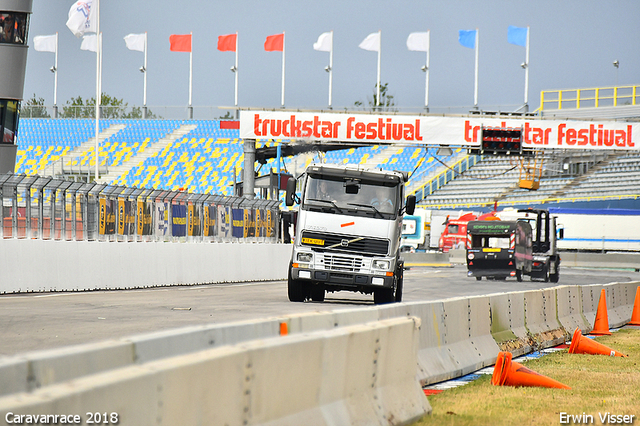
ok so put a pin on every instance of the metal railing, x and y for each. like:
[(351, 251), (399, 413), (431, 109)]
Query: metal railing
[(445, 176), (590, 98), (40, 207)]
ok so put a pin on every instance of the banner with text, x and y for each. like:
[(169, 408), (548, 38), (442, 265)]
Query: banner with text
[(429, 130)]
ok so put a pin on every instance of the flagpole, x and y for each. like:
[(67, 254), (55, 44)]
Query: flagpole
[(526, 75), (144, 91), (475, 93), (55, 81), (331, 70), (191, 77), (283, 49), (379, 52), (236, 72), (426, 84), (98, 85)]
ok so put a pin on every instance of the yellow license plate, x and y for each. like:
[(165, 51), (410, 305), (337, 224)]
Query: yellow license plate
[(491, 250), (314, 241)]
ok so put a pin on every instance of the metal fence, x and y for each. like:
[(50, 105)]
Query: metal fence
[(52, 209)]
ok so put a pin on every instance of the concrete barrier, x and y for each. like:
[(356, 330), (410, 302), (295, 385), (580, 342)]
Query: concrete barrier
[(38, 369), (456, 337), (363, 374), (541, 318), (570, 311), (508, 326), (601, 260), (109, 265)]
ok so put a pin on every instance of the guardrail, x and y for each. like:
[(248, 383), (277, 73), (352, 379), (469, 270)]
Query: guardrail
[(590, 97), (36, 207), (332, 368), (444, 177)]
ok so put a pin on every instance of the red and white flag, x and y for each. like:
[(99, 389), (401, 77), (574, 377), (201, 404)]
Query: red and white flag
[(227, 43), (274, 43), (180, 42)]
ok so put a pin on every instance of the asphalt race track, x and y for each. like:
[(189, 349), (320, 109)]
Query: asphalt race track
[(39, 321)]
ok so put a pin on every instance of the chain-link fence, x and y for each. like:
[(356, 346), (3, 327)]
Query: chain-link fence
[(52, 209)]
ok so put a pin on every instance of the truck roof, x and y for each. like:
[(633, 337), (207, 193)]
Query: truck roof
[(357, 171)]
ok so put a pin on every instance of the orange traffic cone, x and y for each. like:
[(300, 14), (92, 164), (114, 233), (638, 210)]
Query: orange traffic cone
[(601, 324), (510, 373), (635, 315), (584, 345)]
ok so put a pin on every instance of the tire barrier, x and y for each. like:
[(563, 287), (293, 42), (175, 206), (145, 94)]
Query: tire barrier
[(455, 337)]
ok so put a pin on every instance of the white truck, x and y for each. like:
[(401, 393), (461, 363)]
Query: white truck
[(348, 232)]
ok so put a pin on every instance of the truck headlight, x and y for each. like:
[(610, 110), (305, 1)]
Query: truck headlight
[(305, 257), (381, 264)]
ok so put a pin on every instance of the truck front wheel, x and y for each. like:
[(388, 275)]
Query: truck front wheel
[(317, 293), (383, 295), (297, 290), (399, 281)]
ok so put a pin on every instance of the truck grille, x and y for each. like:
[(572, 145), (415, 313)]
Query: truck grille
[(345, 243), (342, 263)]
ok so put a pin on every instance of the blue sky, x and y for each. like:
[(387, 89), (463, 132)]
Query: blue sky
[(573, 45)]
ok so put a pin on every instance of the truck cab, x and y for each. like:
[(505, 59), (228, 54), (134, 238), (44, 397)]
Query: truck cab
[(454, 234), (348, 232)]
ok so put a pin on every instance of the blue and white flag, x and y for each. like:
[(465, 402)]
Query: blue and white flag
[(82, 18), (517, 35), (467, 38)]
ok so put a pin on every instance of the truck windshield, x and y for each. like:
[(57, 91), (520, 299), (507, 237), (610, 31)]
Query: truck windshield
[(485, 241), (359, 198)]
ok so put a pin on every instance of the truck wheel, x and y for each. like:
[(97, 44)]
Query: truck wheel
[(296, 289), (555, 277), (479, 278), (546, 273), (399, 281), (383, 295), (317, 293)]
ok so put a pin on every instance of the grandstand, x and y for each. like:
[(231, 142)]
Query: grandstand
[(197, 156), (206, 156)]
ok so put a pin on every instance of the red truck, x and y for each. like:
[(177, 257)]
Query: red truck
[(455, 232)]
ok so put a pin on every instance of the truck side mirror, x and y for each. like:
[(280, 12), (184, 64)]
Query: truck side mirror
[(291, 192), (560, 233), (411, 204)]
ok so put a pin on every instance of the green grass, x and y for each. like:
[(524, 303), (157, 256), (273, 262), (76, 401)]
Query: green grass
[(599, 385)]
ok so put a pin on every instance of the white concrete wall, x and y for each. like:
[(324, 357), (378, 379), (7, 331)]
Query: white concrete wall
[(91, 265), (362, 374)]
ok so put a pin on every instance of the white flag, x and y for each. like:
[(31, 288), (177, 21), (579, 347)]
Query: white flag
[(45, 43), (372, 42), (418, 42), (324, 42), (89, 42), (82, 18), (135, 42)]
